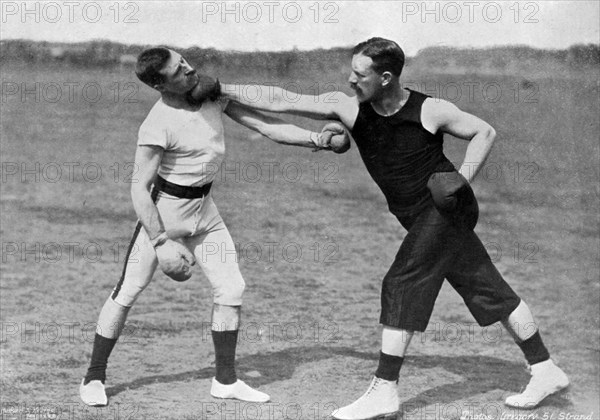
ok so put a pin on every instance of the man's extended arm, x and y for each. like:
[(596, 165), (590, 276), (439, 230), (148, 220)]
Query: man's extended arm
[(276, 129), (445, 116), (333, 105)]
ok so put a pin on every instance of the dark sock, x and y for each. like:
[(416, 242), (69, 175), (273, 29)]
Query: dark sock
[(389, 367), (225, 343), (102, 348), (534, 350)]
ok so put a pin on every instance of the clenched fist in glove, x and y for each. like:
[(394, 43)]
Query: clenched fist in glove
[(207, 88), (174, 259), (339, 139), (453, 197)]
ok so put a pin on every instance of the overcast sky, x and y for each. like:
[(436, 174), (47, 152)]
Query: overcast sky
[(277, 25)]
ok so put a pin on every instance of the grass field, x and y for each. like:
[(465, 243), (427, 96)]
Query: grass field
[(314, 239)]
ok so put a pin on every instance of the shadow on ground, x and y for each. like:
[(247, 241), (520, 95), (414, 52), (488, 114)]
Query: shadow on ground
[(480, 374)]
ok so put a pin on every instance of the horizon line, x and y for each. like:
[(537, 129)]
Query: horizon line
[(295, 49)]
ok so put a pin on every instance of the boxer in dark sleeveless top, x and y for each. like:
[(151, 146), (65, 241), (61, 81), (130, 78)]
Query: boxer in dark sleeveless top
[(400, 154), (399, 134)]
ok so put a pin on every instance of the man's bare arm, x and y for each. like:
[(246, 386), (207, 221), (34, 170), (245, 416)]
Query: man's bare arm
[(174, 259), (445, 116), (332, 106), (274, 128), (147, 160)]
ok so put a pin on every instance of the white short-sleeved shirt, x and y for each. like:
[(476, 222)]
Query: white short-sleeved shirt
[(193, 141)]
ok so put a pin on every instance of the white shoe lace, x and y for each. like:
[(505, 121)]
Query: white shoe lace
[(374, 385)]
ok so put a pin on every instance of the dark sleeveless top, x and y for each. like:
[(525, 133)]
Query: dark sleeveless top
[(400, 154)]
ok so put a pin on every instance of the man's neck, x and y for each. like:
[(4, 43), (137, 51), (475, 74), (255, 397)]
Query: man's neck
[(391, 101)]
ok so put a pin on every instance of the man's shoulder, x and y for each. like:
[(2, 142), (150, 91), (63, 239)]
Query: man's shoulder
[(438, 106), (163, 116), (436, 112), (346, 107), (157, 109), (157, 121)]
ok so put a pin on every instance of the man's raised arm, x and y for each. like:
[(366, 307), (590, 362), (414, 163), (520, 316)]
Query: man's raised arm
[(333, 105)]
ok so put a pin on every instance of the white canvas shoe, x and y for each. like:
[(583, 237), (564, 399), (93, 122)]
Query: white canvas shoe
[(93, 393), (381, 401), (546, 379), (238, 391)]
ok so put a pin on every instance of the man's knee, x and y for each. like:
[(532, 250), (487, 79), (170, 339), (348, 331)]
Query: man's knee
[(230, 293), (114, 303), (237, 290), (127, 294)]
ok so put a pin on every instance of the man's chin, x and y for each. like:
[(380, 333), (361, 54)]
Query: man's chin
[(361, 98), (189, 95), (194, 85), (359, 95)]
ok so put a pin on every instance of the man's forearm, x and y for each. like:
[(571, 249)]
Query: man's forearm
[(291, 135), (477, 152), (147, 213), (272, 127)]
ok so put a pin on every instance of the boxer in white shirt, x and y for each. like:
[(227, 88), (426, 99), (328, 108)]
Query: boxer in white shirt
[(180, 146)]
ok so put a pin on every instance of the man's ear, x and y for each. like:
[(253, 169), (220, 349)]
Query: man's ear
[(386, 78)]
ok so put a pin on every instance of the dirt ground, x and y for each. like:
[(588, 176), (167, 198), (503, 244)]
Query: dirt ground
[(314, 240)]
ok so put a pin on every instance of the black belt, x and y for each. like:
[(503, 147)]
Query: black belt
[(181, 191)]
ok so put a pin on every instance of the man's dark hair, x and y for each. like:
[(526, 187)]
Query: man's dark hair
[(386, 55), (149, 63)]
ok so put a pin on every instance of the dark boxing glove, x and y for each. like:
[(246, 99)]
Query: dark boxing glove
[(207, 88), (453, 197)]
